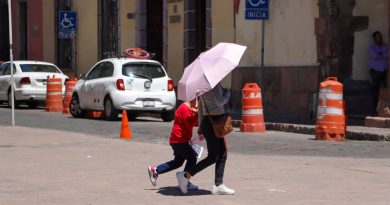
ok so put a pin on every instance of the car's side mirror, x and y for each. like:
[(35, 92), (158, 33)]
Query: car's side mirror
[(82, 76)]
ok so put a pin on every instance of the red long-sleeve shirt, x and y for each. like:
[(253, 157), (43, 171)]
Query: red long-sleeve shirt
[(185, 120)]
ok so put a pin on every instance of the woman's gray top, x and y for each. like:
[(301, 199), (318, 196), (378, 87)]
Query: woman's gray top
[(215, 100)]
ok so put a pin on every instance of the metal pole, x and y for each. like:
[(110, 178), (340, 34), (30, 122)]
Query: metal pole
[(262, 42), (11, 62), (262, 52)]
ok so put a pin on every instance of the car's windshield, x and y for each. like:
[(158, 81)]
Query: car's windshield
[(38, 68), (143, 70)]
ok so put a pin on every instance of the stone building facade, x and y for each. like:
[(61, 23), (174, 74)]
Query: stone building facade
[(305, 41)]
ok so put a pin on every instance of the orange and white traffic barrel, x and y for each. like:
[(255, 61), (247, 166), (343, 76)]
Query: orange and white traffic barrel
[(331, 123), (54, 95), (69, 86), (252, 109)]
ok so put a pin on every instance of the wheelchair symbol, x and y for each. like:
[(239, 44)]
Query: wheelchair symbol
[(66, 22), (256, 4)]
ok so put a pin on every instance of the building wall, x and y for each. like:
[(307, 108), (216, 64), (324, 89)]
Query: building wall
[(87, 34), (127, 26), (378, 12), (175, 66), (291, 69), (284, 43), (222, 17), (49, 33)]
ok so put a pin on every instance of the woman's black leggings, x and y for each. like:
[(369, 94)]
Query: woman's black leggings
[(217, 152)]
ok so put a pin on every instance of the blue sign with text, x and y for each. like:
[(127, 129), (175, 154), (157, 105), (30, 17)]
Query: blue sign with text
[(256, 9), (67, 24)]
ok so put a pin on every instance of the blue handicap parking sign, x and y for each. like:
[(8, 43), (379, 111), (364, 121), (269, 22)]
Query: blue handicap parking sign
[(67, 24), (257, 9)]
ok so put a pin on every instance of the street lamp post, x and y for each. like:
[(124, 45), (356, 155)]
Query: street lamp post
[(11, 62)]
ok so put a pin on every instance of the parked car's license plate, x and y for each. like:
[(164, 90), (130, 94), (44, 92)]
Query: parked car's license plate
[(148, 103)]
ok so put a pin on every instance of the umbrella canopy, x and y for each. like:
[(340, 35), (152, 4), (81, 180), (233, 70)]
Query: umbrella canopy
[(209, 69)]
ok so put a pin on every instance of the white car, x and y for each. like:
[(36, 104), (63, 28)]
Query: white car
[(117, 84), (30, 79)]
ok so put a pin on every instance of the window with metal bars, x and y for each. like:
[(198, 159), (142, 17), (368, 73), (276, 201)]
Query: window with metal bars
[(108, 28), (64, 45)]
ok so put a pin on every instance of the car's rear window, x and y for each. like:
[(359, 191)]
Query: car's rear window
[(26, 68), (143, 69)]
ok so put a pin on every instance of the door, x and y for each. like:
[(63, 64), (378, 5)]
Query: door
[(23, 39), (4, 32), (87, 94), (152, 28), (101, 84)]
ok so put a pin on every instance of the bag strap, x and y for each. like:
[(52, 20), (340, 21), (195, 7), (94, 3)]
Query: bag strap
[(207, 110)]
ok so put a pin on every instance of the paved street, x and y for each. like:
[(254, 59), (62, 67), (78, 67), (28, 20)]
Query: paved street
[(153, 130), (50, 158)]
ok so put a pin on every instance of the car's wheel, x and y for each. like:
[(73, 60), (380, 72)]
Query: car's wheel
[(110, 113), (32, 104), (168, 116), (16, 103), (74, 107), (132, 115)]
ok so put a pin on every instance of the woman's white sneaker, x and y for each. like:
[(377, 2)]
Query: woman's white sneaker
[(182, 181), (192, 186), (222, 190)]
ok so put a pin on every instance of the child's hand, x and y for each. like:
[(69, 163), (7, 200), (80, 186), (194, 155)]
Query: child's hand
[(200, 131), (196, 140), (193, 105), (193, 109)]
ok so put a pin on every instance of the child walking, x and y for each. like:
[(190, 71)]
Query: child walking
[(186, 117)]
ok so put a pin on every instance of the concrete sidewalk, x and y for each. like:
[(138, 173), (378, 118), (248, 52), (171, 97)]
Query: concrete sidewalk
[(39, 166), (353, 132)]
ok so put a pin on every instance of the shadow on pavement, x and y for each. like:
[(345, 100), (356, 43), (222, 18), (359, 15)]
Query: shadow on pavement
[(175, 191), (22, 107)]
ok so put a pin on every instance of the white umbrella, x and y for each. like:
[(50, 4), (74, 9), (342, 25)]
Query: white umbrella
[(209, 69)]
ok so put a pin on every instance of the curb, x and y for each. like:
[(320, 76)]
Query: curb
[(310, 130)]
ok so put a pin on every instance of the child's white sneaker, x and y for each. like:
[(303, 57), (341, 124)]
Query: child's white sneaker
[(182, 181), (192, 186), (153, 175), (222, 190)]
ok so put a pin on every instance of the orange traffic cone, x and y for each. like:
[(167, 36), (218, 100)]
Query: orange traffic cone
[(125, 130)]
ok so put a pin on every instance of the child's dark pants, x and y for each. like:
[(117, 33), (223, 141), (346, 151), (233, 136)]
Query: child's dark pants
[(182, 152)]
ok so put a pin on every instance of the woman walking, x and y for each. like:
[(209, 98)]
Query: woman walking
[(211, 105)]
